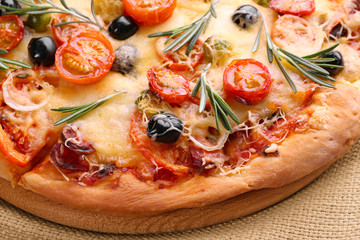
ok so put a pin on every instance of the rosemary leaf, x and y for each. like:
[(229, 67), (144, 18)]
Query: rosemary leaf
[(202, 95), (14, 62), (329, 65), (79, 111), (286, 74), (257, 39), (304, 62), (187, 34), (322, 51), (320, 60)]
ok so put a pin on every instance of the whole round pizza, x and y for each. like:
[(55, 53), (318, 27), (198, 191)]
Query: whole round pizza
[(136, 108)]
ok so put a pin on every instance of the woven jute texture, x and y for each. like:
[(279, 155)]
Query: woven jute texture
[(329, 208)]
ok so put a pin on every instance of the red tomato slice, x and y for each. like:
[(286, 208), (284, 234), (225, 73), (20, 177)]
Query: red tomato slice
[(150, 12), (167, 85), (179, 61), (295, 7), (86, 58), (11, 31), (247, 80), (63, 33)]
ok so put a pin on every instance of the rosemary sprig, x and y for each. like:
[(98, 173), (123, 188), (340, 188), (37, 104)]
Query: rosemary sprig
[(79, 111), (221, 108), (6, 63), (310, 66), (48, 6), (188, 33)]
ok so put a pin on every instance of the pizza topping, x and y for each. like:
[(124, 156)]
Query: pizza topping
[(295, 34), (11, 31), (338, 31), (42, 51), (295, 7), (338, 61), (24, 91), (126, 57), (86, 58), (39, 22), (67, 159), (123, 27), (247, 80), (6, 63), (150, 12), (189, 34), (79, 111), (310, 65), (216, 50), (108, 10), (63, 33), (8, 3), (73, 139), (221, 109), (245, 16), (164, 128), (168, 85), (181, 60)]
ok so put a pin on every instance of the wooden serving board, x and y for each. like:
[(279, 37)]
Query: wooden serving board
[(179, 220)]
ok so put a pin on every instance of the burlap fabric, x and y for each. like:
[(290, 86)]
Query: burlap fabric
[(329, 208)]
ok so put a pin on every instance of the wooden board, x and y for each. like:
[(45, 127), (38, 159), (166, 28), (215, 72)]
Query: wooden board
[(178, 220)]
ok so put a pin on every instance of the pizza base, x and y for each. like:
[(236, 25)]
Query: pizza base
[(179, 220), (334, 128)]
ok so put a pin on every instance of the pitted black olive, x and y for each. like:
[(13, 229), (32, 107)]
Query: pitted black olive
[(338, 61), (338, 31), (72, 139), (123, 27), (8, 3), (42, 51), (165, 128), (125, 59), (245, 16)]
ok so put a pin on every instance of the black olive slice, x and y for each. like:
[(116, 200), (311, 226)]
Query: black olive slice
[(245, 16), (164, 128), (67, 159)]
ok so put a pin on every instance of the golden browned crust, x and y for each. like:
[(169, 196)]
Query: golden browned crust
[(334, 128), (179, 220)]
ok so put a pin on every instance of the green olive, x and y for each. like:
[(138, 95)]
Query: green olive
[(39, 22), (217, 50)]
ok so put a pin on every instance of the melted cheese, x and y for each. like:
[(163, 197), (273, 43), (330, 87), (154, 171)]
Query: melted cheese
[(107, 127)]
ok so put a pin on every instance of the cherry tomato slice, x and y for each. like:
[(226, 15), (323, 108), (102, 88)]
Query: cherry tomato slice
[(179, 61), (295, 34), (86, 58), (63, 33), (11, 31), (168, 85), (150, 12), (247, 80), (295, 7)]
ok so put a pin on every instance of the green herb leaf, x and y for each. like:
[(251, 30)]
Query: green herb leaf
[(79, 111), (187, 34), (221, 109), (48, 6)]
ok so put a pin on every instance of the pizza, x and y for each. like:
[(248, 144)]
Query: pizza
[(134, 108)]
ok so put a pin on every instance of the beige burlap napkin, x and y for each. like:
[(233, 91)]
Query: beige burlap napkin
[(329, 208)]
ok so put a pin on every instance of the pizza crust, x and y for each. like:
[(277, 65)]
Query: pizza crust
[(179, 220), (334, 128)]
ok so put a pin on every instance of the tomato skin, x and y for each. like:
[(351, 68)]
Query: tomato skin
[(296, 7), (63, 33), (91, 67), (8, 37), (156, 77), (247, 80), (150, 15), (179, 61)]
